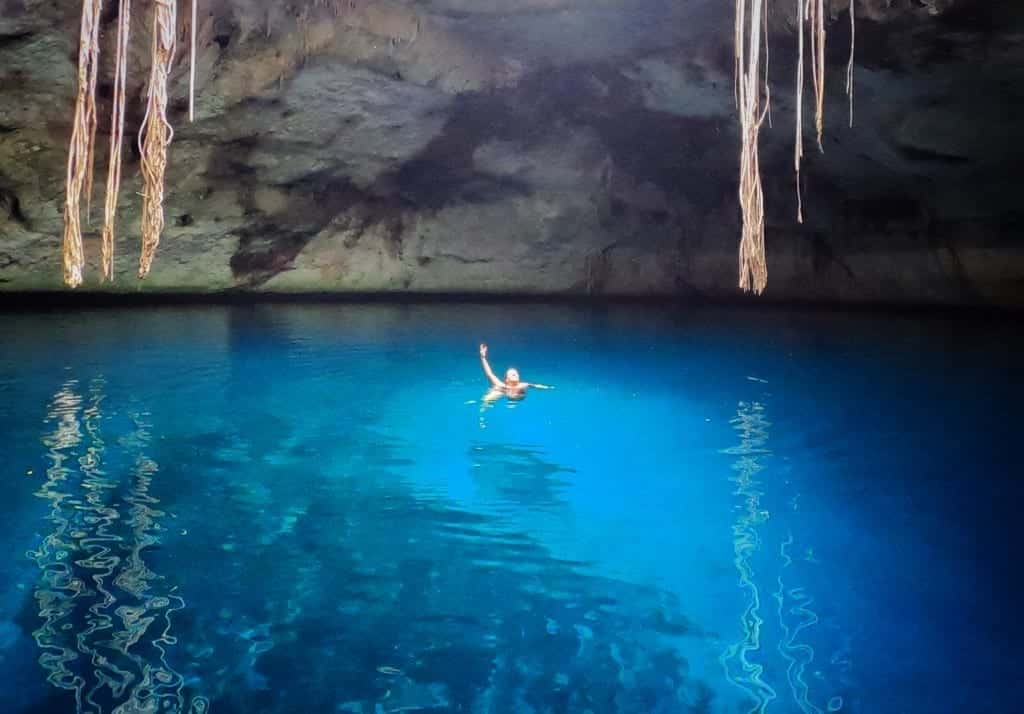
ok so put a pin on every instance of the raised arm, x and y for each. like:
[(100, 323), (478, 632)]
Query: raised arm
[(495, 382)]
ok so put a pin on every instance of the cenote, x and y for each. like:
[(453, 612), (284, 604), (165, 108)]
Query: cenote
[(511, 356), (310, 508)]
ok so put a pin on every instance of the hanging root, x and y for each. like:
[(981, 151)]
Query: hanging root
[(116, 136), (739, 51), (798, 151), (813, 12), (816, 17), (753, 265), (192, 66), (753, 268), (849, 66), (94, 70), (156, 132), (82, 136), (767, 86)]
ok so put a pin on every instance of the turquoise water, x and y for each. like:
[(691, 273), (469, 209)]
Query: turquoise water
[(309, 509)]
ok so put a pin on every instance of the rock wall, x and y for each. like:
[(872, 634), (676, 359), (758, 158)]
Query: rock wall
[(533, 146)]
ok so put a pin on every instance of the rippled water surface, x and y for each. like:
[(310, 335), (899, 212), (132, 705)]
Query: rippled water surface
[(243, 510)]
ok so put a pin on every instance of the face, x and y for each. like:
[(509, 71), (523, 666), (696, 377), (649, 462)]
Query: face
[(512, 376)]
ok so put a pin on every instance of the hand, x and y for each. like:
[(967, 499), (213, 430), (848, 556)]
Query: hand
[(483, 351)]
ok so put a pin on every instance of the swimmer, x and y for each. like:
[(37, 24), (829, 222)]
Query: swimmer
[(512, 387)]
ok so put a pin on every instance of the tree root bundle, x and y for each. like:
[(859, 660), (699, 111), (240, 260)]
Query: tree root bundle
[(116, 136), (798, 144), (154, 137), (752, 100), (753, 269), (849, 65), (192, 64), (156, 132), (80, 156), (816, 18), (749, 13)]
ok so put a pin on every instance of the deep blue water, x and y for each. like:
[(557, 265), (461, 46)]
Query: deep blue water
[(309, 509)]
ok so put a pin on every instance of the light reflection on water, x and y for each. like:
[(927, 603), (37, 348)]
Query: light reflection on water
[(309, 510), (752, 428), (407, 601), (105, 628)]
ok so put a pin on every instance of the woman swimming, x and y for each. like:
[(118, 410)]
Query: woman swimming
[(512, 387)]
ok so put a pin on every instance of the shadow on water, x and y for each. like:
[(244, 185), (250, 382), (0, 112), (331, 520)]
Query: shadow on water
[(518, 476), (321, 585), (377, 597)]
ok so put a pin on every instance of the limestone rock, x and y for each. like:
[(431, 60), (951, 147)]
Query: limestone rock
[(541, 146)]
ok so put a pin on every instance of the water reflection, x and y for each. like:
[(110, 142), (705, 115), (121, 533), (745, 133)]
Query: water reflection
[(750, 663), (326, 584), (751, 426), (325, 572), (107, 620), (489, 400)]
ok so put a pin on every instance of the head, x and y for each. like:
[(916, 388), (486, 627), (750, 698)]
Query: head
[(512, 376)]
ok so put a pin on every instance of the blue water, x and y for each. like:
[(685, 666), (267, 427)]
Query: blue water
[(309, 509)]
